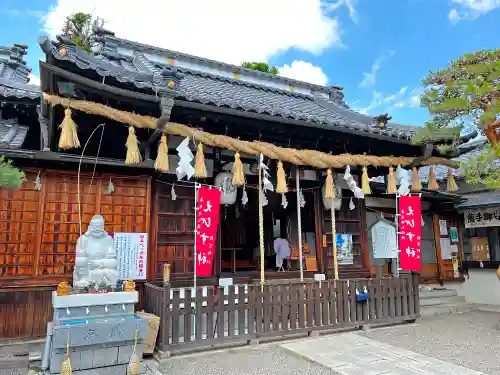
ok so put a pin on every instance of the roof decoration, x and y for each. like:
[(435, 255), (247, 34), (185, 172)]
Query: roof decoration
[(14, 74), (209, 82)]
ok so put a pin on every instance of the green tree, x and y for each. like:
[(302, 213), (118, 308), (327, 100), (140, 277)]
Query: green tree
[(261, 67), (78, 28), (463, 96), (10, 177)]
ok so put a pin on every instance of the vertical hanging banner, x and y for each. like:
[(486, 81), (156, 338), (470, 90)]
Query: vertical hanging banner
[(410, 232), (207, 220)]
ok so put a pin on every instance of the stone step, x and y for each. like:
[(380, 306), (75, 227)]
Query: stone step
[(436, 301), (9, 362), (446, 309), (437, 293)]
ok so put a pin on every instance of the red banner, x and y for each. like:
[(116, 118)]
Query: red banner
[(207, 220), (410, 232)]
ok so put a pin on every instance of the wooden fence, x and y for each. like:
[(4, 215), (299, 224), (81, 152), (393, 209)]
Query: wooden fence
[(211, 317)]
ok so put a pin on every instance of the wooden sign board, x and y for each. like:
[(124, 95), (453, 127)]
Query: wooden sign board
[(480, 249)]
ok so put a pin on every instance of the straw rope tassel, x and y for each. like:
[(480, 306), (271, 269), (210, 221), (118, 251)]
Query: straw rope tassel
[(200, 170), (69, 136), (281, 187), (391, 182), (261, 232), (66, 365), (416, 185), (432, 183), (365, 182), (451, 185), (311, 158), (238, 172), (161, 162), (134, 364), (329, 193), (132, 145)]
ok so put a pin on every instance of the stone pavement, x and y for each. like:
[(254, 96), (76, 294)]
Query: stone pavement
[(354, 354)]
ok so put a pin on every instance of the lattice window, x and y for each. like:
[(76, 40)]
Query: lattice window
[(39, 229), (175, 229), (18, 229)]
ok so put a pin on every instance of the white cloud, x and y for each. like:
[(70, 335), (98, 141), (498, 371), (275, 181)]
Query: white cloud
[(231, 31), (401, 99), (392, 98), (471, 9), (34, 79), (376, 101), (304, 71), (370, 78), (349, 4)]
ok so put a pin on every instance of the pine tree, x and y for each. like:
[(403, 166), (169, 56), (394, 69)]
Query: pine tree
[(463, 96), (10, 177)]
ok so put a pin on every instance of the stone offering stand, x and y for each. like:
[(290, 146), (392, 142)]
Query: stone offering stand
[(101, 329)]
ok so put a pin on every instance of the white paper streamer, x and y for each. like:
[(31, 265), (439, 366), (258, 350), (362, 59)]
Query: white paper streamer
[(38, 182), (404, 186), (184, 168), (173, 193), (358, 193), (266, 184), (302, 200), (244, 197), (351, 205), (111, 187), (284, 202), (264, 199), (401, 173)]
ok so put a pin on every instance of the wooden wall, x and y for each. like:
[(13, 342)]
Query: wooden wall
[(38, 233)]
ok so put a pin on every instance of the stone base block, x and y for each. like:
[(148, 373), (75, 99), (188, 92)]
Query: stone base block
[(110, 370)]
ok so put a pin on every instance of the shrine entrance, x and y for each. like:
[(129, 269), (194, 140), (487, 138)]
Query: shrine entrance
[(240, 252)]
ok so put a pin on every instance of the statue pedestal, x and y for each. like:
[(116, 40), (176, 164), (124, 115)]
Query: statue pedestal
[(101, 330)]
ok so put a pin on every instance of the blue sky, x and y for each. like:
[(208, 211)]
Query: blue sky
[(378, 50)]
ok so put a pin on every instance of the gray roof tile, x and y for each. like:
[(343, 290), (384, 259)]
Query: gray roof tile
[(12, 135), (14, 74), (205, 88)]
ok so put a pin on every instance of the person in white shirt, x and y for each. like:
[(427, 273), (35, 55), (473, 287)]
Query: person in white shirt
[(282, 251)]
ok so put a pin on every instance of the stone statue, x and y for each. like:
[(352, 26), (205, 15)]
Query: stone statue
[(95, 257)]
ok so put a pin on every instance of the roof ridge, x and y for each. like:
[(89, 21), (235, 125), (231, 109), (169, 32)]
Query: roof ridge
[(242, 83), (103, 35)]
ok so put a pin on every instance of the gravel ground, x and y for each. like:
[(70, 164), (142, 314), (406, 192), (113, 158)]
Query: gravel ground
[(259, 360), (468, 340)]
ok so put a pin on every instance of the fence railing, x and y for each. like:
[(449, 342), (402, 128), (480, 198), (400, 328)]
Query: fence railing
[(218, 316)]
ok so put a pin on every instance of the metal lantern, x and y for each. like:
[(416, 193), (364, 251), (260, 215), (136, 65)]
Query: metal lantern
[(224, 181)]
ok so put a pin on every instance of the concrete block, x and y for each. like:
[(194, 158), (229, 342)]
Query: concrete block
[(56, 360), (99, 359), (86, 359), (313, 334), (124, 353), (111, 356), (254, 342)]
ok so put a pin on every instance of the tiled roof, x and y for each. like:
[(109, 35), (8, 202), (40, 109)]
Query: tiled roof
[(197, 86), (487, 198), (12, 134), (14, 74)]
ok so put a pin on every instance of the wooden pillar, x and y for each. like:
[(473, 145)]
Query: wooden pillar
[(318, 226), (437, 240)]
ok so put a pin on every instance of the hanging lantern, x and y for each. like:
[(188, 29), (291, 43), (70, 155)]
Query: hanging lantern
[(224, 181)]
